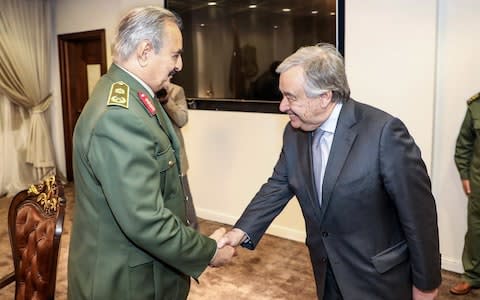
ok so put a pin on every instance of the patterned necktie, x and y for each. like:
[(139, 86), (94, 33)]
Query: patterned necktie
[(317, 161)]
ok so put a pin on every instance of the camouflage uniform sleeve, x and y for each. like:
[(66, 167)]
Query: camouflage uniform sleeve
[(464, 146)]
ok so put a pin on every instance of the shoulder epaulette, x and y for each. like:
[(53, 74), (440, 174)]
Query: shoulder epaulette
[(118, 95), (473, 98)]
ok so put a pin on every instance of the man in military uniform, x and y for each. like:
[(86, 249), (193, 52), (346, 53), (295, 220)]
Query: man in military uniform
[(130, 238), (467, 159)]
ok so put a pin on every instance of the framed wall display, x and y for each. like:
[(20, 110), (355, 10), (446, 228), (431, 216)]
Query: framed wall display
[(232, 47)]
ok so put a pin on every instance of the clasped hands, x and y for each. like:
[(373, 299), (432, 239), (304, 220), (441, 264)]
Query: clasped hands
[(226, 243)]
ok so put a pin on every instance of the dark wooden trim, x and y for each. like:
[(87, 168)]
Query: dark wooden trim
[(64, 40)]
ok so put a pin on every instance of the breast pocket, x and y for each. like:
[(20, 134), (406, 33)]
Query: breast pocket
[(166, 166), (165, 158), (356, 183)]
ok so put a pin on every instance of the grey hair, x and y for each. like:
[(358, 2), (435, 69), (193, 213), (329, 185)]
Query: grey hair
[(139, 24), (323, 68)]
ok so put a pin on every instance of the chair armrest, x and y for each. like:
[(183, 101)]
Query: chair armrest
[(6, 280)]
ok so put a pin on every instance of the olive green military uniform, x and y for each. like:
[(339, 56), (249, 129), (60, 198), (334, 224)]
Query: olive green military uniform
[(467, 159), (129, 238)]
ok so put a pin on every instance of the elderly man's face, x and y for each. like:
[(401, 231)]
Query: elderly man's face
[(305, 113), (168, 60)]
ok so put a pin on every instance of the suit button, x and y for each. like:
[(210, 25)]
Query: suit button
[(324, 234), (324, 259), (188, 222), (170, 163), (186, 198)]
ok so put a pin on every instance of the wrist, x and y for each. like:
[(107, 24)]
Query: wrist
[(210, 264), (240, 234)]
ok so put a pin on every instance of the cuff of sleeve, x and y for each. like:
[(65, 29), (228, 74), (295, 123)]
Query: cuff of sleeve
[(247, 243), (213, 257)]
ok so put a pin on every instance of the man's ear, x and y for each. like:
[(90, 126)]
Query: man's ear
[(326, 98), (144, 50)]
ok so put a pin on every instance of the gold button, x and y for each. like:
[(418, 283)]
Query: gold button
[(170, 163), (186, 198)]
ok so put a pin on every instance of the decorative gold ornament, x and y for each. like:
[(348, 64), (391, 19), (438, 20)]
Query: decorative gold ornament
[(47, 194)]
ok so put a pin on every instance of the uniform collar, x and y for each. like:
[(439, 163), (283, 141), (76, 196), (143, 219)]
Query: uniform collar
[(149, 89)]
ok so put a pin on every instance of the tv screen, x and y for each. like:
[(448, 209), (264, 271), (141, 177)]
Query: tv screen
[(232, 47)]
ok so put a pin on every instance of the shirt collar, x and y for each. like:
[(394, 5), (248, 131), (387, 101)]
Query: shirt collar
[(331, 123), (149, 89)]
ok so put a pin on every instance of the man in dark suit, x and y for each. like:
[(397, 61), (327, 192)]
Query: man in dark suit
[(130, 238), (361, 183)]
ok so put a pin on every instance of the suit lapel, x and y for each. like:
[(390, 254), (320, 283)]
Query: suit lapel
[(344, 137)]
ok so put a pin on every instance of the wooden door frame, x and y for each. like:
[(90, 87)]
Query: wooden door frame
[(64, 40)]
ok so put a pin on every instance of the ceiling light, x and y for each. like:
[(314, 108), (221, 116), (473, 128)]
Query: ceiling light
[(212, 3), (314, 12), (286, 9), (252, 6), (332, 13), (202, 25)]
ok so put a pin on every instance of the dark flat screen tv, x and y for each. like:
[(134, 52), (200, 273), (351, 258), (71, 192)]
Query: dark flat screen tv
[(232, 47)]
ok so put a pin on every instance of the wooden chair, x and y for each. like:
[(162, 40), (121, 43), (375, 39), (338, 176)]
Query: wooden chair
[(35, 225)]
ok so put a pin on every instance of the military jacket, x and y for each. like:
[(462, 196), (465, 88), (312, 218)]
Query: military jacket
[(129, 238), (467, 150)]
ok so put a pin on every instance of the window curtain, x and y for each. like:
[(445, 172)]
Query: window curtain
[(15, 174), (25, 43)]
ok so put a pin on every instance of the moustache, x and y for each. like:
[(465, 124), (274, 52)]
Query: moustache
[(173, 72)]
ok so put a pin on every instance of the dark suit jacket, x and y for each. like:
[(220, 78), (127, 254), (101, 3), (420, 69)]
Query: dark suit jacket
[(129, 237), (377, 226)]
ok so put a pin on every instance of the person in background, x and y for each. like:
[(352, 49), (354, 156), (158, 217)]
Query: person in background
[(467, 160), (129, 235), (361, 183), (175, 104), (265, 87)]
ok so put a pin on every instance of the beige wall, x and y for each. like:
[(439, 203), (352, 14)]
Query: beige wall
[(457, 80), (414, 59)]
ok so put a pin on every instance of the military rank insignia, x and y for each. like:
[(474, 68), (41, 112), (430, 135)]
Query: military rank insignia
[(473, 98), (118, 96), (147, 103)]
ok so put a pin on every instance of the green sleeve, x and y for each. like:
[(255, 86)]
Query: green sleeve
[(464, 146)]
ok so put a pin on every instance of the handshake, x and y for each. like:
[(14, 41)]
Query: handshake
[(226, 243)]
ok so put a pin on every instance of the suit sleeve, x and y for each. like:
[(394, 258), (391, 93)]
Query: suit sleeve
[(122, 155), (464, 146), (408, 185), (268, 203)]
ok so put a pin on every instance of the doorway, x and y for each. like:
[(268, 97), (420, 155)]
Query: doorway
[(82, 62)]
